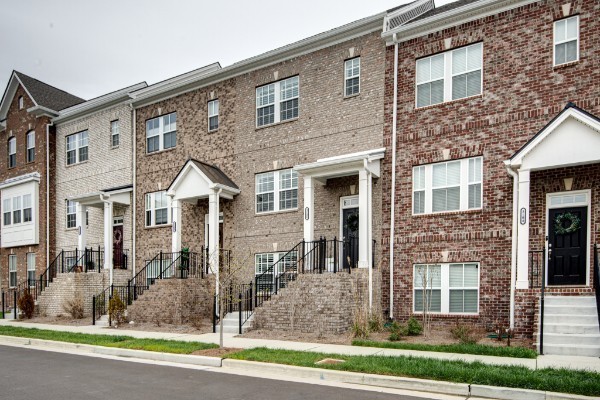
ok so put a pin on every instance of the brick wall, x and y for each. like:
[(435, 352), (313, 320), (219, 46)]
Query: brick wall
[(328, 125), (522, 92), (18, 124)]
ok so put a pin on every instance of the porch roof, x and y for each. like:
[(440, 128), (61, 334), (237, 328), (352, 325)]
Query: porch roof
[(571, 138), (197, 179), (343, 165), (118, 195)]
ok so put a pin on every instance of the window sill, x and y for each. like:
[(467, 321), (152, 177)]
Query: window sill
[(566, 65), (161, 151), (277, 123), (448, 102), (77, 163), (115, 147), (213, 130), (158, 226), (441, 213), (352, 96), (448, 315), (71, 229), (291, 210)]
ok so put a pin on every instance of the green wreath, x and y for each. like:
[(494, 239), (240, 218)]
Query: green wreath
[(574, 223)]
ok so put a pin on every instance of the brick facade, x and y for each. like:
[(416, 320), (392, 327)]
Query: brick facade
[(522, 92)]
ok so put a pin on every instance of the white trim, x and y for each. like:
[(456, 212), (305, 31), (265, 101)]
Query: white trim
[(277, 101), (18, 180), (348, 78), (206, 228), (78, 139), (344, 207), (276, 190), (554, 43), (161, 132), (208, 106), (153, 209), (587, 203)]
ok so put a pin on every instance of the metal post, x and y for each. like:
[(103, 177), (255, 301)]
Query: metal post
[(542, 302), (161, 265), (303, 254), (93, 310), (3, 305), (62, 262), (335, 255), (128, 294), (214, 314), (276, 283), (240, 310), (256, 292), (15, 303), (250, 299)]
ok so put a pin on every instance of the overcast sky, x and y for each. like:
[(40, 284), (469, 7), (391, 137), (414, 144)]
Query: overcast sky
[(90, 48)]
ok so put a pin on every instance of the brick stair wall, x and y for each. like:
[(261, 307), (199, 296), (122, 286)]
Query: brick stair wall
[(174, 301), (316, 303), (51, 301)]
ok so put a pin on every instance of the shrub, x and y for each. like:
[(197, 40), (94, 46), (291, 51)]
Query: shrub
[(375, 322), (75, 306), (116, 309), (413, 327), (26, 304), (464, 334), (397, 331)]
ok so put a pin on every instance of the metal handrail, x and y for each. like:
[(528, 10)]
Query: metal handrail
[(597, 281)]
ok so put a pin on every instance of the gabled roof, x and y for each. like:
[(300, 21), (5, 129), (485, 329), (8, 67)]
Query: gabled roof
[(197, 180), (45, 97), (445, 8), (215, 174)]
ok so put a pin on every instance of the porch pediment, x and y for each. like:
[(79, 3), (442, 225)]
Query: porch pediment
[(197, 180), (344, 165), (571, 138)]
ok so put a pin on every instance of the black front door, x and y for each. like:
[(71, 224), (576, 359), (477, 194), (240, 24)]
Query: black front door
[(567, 246), (350, 232)]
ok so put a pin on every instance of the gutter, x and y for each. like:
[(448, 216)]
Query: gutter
[(514, 242), (393, 185)]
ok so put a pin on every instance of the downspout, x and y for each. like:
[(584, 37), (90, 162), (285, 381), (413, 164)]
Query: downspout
[(369, 232), (133, 219), (393, 188), (48, 193), (514, 239)]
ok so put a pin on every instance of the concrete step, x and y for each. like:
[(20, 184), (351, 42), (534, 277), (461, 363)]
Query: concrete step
[(572, 328), (570, 319), (570, 300), (590, 339), (102, 321), (571, 350), (570, 309), (231, 323)]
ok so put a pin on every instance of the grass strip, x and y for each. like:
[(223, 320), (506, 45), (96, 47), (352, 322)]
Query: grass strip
[(554, 380), (479, 349), (124, 342)]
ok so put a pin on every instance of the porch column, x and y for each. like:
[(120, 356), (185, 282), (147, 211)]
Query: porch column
[(309, 205), (176, 226), (523, 232), (81, 227), (213, 233), (364, 188), (108, 238)]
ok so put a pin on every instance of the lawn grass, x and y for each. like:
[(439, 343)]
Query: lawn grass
[(479, 349), (124, 342), (554, 380)]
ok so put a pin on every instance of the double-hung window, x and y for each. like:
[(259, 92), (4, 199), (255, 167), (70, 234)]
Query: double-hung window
[(27, 208), (158, 209), (213, 115), (114, 133), (276, 191), (279, 262), (12, 270), (161, 133), (77, 147), (30, 146), (17, 209), (12, 152), (7, 211), (352, 76), (566, 40), (31, 269), (451, 75), (71, 214), (446, 288), (278, 101), (448, 186)]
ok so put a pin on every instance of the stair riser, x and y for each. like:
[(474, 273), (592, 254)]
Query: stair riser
[(566, 340), (570, 351), (575, 310), (570, 301), (570, 319), (572, 329)]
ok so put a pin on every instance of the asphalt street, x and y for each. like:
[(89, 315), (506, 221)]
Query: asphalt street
[(34, 374)]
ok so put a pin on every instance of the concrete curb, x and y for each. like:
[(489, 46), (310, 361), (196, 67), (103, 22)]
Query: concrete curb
[(115, 351)]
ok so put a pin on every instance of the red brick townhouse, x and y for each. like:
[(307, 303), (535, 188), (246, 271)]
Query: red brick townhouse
[(27, 177), (491, 175)]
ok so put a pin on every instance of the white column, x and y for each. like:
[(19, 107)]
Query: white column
[(364, 180), (176, 226), (108, 238), (81, 227), (309, 213), (523, 232), (370, 238), (213, 234)]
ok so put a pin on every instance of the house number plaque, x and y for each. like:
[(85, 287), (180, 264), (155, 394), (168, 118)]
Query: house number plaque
[(306, 213), (523, 216)]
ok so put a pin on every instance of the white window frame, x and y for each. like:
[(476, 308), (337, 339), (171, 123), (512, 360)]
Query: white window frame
[(272, 258), (277, 189), (566, 40), (12, 270), (12, 152), (428, 188), (276, 98), (213, 112), (30, 146), (16, 206), (71, 207), (448, 74), (150, 207), (21, 103), (350, 75), (7, 211), (115, 134), (445, 288), (81, 141), (31, 269), (162, 130)]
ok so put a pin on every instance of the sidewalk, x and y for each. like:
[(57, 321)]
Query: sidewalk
[(547, 361)]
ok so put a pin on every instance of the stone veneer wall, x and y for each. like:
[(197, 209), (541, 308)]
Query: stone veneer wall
[(316, 303), (64, 287), (174, 301)]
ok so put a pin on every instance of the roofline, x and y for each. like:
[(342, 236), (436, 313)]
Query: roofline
[(3, 106), (41, 110), (97, 104), (176, 86), (18, 180), (451, 18)]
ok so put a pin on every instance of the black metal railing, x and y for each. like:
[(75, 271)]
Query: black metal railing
[(101, 301), (10, 297), (88, 260), (121, 259), (597, 281), (537, 265), (237, 298)]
